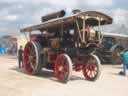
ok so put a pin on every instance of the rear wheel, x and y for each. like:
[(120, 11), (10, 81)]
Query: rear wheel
[(32, 58), (92, 68), (63, 68)]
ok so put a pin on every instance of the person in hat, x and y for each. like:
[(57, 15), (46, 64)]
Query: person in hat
[(20, 59)]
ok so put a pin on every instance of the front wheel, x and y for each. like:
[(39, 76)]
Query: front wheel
[(92, 68), (63, 68)]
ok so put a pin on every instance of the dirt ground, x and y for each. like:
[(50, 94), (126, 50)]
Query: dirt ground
[(13, 82)]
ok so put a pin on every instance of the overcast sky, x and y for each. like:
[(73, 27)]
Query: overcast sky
[(16, 14)]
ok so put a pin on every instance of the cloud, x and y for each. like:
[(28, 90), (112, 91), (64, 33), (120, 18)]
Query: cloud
[(120, 16), (99, 2), (11, 17), (17, 14), (6, 16)]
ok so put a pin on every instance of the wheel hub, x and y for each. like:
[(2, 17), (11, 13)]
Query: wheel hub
[(61, 68)]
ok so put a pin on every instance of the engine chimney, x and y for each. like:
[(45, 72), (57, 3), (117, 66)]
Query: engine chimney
[(58, 14), (75, 11)]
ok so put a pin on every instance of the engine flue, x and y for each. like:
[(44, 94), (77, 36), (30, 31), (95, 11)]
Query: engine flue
[(58, 14)]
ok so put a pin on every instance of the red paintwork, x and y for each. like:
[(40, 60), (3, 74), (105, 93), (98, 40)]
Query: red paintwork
[(79, 62), (51, 56), (77, 67), (35, 37)]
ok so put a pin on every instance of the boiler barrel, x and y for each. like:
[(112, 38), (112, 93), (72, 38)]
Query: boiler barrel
[(53, 15)]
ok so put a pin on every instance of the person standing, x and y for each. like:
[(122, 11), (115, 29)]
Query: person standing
[(20, 59), (124, 55)]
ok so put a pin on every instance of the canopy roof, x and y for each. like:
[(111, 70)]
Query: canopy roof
[(92, 18)]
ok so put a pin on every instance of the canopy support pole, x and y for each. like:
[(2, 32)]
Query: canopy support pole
[(78, 30)]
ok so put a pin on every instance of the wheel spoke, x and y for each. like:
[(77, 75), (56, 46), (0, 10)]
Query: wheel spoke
[(93, 74)]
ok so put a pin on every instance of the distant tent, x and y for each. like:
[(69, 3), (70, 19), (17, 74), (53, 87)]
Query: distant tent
[(2, 50)]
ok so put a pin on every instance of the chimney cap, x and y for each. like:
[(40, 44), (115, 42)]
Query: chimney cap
[(75, 11)]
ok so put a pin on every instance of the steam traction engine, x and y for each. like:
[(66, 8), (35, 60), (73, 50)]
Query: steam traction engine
[(65, 44)]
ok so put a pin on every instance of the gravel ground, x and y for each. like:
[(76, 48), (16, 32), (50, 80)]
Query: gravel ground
[(13, 82)]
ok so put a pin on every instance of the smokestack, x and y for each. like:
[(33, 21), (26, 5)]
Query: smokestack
[(75, 11), (58, 14)]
